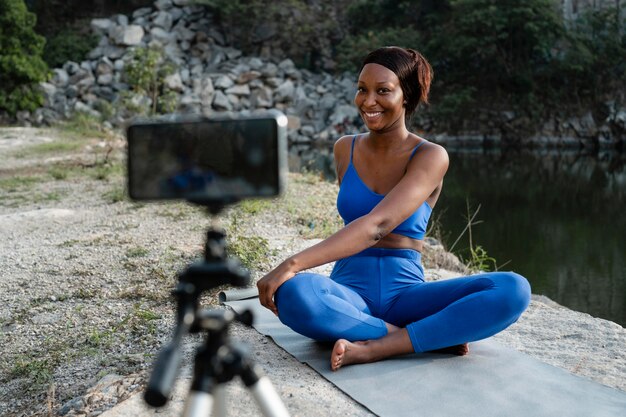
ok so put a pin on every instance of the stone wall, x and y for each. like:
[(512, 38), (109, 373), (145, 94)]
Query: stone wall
[(211, 77)]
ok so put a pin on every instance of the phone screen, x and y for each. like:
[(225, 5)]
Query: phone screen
[(206, 160)]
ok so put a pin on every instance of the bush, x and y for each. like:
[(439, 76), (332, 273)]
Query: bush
[(500, 51), (352, 50), (145, 73), (21, 65), (68, 45), (592, 67)]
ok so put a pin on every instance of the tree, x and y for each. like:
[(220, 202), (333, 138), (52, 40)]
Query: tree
[(21, 65), (498, 48)]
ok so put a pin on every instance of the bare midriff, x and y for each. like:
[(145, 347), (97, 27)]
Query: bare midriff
[(395, 241)]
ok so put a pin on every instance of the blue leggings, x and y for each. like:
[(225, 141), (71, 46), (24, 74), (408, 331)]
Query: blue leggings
[(379, 286)]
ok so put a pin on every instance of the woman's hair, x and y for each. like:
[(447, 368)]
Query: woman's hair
[(413, 71)]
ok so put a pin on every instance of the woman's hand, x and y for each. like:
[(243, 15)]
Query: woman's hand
[(269, 284)]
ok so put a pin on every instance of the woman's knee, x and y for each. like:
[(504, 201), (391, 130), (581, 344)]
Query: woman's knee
[(516, 292), (296, 298)]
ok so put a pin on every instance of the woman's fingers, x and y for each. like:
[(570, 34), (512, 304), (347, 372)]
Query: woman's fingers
[(266, 296)]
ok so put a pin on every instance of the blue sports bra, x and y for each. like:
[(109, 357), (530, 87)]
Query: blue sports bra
[(356, 199)]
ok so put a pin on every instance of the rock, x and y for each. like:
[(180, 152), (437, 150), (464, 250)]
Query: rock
[(307, 130), (163, 4), (104, 66), (261, 98), (144, 11), (121, 19), (293, 122), (328, 102), (232, 53), (101, 26), (217, 37), (239, 90), (74, 404), (113, 52), (128, 35), (287, 66), (224, 82), (81, 107), (105, 79), (163, 20), (255, 63), (49, 91), (221, 102), (246, 77), (184, 34), (174, 82), (285, 91), (206, 90), (162, 35), (270, 70), (60, 77), (71, 67), (344, 113)]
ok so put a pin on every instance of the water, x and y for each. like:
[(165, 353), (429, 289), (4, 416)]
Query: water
[(558, 218)]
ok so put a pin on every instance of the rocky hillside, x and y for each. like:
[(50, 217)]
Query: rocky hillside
[(209, 76)]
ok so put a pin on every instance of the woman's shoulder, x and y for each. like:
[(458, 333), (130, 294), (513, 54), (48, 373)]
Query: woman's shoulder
[(343, 145), (426, 149), (421, 142)]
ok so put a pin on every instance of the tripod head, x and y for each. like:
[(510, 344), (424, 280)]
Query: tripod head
[(209, 273)]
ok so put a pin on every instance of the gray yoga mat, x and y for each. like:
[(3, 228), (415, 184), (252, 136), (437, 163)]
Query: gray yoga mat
[(492, 380)]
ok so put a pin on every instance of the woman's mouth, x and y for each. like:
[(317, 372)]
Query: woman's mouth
[(372, 115)]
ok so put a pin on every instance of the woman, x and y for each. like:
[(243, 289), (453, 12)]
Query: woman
[(375, 303)]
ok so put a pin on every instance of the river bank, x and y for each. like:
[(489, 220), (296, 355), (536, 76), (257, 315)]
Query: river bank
[(86, 277)]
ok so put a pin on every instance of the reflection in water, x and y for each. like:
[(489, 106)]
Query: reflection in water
[(558, 218)]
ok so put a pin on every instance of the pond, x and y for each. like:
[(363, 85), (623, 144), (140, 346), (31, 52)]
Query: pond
[(556, 217)]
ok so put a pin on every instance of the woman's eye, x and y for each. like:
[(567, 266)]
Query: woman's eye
[(383, 90), (360, 90)]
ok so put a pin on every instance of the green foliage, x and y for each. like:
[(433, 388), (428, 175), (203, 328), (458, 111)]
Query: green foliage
[(21, 65), (493, 54), (592, 65), (477, 258), (353, 48), (68, 45), (37, 371), (83, 125), (252, 251), (145, 73)]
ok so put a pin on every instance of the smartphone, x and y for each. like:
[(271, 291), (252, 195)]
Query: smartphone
[(208, 160)]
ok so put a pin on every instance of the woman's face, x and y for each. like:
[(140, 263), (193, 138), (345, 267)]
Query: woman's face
[(379, 97)]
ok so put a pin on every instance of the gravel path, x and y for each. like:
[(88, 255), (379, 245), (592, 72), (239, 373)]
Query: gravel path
[(85, 277)]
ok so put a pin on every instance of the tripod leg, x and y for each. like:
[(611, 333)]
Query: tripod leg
[(267, 398), (198, 404), (219, 401)]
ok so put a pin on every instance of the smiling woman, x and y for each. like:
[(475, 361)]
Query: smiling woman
[(376, 303)]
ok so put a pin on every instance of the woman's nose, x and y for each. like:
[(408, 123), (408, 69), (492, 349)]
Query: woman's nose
[(369, 100)]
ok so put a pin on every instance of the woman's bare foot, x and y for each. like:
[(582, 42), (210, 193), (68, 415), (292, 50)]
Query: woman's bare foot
[(396, 342), (459, 350), (346, 353)]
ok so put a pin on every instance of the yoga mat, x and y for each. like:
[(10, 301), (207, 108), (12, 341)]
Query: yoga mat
[(492, 380)]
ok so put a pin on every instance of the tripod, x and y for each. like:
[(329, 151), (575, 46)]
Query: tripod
[(218, 360)]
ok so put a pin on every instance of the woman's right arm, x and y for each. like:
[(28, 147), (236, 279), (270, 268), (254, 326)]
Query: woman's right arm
[(314, 256)]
